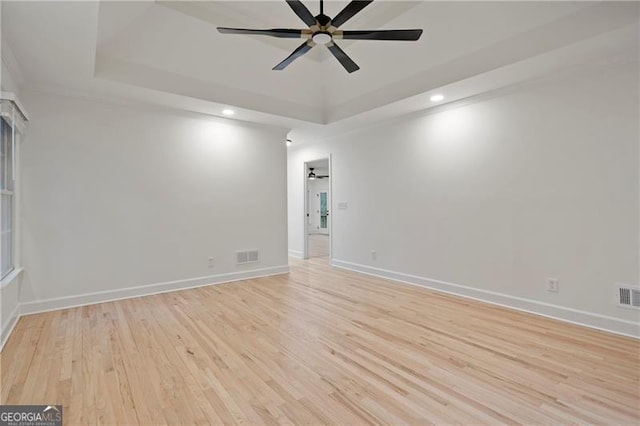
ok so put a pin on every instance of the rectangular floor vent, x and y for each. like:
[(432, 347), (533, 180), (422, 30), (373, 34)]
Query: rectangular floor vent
[(628, 297), (247, 256)]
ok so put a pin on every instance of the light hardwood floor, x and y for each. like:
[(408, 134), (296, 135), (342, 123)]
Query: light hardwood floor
[(318, 346), (319, 246)]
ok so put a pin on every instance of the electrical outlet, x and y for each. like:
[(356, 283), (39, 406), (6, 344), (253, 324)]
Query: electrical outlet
[(374, 255), (210, 262), (553, 285)]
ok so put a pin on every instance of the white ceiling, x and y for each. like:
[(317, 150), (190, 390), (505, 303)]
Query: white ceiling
[(322, 165), (169, 53)]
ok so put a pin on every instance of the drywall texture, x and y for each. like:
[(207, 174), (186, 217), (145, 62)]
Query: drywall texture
[(119, 196), (498, 194)]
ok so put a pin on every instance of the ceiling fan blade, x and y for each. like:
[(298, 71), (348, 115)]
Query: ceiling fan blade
[(396, 35), (301, 50), (302, 12), (276, 32), (349, 11), (342, 57)]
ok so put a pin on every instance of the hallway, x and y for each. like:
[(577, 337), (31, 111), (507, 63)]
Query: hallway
[(319, 245)]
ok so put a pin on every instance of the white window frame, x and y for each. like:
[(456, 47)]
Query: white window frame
[(8, 166), (13, 114)]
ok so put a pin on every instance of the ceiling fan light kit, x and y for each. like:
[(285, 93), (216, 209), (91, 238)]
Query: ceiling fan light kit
[(323, 30)]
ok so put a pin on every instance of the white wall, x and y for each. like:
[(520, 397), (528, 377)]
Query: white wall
[(7, 82), (10, 75), (119, 196), (497, 195)]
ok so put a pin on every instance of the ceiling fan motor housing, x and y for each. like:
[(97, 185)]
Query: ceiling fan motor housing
[(323, 20)]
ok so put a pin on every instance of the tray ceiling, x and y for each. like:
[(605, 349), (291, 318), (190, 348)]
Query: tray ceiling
[(171, 51)]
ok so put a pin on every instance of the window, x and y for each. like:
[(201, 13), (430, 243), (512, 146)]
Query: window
[(323, 210), (7, 199), (13, 123)]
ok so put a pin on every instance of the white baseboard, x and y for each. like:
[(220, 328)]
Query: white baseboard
[(295, 253), (38, 306), (8, 328), (562, 313)]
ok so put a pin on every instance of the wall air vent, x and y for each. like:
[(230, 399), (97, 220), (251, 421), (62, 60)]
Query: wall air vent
[(628, 296), (247, 256), (252, 256)]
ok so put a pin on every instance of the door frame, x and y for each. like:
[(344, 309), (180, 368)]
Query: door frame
[(305, 210)]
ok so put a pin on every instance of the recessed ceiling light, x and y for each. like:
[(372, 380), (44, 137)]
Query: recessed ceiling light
[(436, 98), (289, 142), (228, 111)]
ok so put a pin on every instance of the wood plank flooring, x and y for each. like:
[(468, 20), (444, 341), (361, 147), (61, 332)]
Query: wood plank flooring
[(319, 246), (318, 346)]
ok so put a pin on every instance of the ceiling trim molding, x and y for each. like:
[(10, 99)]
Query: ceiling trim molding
[(121, 71), (498, 92), (534, 43), (142, 105)]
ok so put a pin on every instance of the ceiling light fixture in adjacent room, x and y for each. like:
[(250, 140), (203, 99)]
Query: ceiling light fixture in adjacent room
[(289, 142), (311, 175), (228, 111), (436, 98)]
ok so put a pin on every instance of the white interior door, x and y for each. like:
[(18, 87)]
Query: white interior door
[(318, 203), (318, 213), (312, 212), (325, 204)]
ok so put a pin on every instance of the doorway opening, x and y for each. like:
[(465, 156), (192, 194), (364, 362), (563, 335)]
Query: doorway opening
[(317, 209)]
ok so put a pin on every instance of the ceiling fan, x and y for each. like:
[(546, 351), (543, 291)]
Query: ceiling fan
[(313, 176), (324, 30)]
